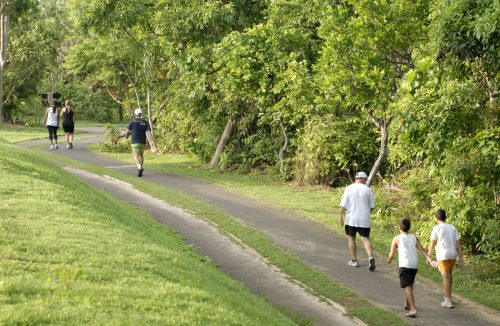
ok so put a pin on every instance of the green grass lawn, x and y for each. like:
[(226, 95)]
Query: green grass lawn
[(317, 203), (479, 280), (318, 282), (70, 254), (88, 123), (14, 134)]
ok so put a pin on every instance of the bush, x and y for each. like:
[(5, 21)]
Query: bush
[(331, 149), (122, 146), (115, 143)]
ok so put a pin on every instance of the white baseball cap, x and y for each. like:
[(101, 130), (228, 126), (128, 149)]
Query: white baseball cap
[(361, 175), (138, 112)]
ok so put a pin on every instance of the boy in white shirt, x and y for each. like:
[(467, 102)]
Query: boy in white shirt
[(446, 240), (407, 245)]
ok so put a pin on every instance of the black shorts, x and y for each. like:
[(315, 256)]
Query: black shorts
[(351, 231), (68, 127), (407, 276)]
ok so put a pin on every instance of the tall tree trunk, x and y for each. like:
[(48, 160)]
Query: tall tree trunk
[(383, 126), (283, 149), (131, 83), (118, 100), (222, 143), (4, 39), (148, 97), (2, 119)]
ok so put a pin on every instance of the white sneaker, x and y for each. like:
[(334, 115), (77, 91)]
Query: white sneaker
[(67, 146), (353, 263), (447, 304), (51, 146)]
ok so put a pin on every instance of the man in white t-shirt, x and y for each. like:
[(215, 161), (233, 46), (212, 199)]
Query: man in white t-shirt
[(446, 240), (358, 201)]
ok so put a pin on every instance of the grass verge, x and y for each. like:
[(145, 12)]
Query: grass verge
[(318, 282), (479, 280), (70, 254)]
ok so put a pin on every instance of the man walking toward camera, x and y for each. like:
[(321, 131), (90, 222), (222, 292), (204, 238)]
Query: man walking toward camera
[(358, 201), (140, 131)]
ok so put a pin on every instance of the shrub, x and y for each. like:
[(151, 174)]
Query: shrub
[(115, 143)]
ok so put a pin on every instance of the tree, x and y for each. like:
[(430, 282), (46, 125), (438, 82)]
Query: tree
[(469, 30), (23, 51), (369, 46), (447, 118), (264, 81)]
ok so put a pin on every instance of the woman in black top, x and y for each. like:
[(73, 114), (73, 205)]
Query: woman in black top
[(68, 123)]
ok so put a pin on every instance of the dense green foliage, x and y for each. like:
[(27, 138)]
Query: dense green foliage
[(314, 90)]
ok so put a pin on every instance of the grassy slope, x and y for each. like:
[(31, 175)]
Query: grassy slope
[(476, 281), (15, 134), (315, 280), (72, 255)]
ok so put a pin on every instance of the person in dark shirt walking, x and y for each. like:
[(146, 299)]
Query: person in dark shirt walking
[(140, 131), (68, 123)]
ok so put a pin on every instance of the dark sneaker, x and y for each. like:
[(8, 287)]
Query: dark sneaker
[(372, 264), (139, 172), (71, 145)]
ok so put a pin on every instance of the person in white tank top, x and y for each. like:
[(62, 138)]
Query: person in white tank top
[(52, 122), (407, 245)]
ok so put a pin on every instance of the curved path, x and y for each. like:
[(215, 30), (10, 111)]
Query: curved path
[(308, 240)]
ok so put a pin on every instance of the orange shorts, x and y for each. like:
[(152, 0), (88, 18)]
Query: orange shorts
[(446, 265)]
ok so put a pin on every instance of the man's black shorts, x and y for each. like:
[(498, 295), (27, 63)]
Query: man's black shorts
[(407, 276), (351, 231)]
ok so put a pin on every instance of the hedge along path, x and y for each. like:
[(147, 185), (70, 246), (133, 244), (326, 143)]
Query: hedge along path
[(315, 245)]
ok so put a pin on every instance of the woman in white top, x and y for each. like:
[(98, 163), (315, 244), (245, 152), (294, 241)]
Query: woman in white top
[(52, 122), (407, 245)]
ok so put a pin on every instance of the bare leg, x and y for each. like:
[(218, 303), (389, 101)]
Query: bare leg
[(447, 283), (70, 137), (141, 159), (410, 299), (352, 247), (137, 158), (368, 246)]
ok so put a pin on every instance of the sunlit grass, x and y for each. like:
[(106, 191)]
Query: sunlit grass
[(321, 204), (13, 133), (70, 254), (320, 283)]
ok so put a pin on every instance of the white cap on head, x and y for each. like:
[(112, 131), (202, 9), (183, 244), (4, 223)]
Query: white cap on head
[(361, 175), (138, 112)]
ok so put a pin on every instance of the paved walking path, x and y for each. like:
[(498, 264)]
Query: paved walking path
[(311, 242)]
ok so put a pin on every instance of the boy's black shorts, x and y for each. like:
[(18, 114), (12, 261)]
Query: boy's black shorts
[(407, 276), (352, 230)]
